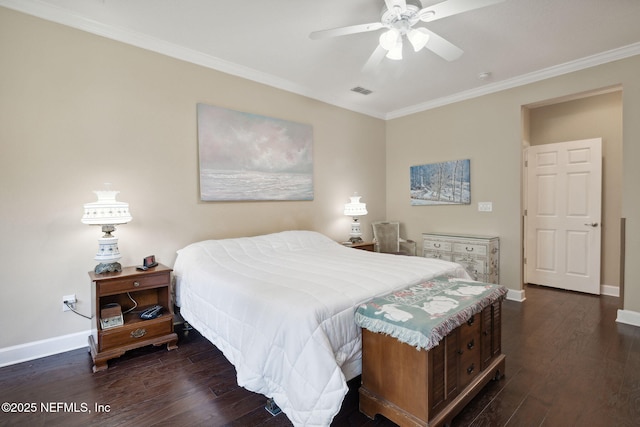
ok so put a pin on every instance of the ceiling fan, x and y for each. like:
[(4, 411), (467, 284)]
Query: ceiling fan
[(400, 18)]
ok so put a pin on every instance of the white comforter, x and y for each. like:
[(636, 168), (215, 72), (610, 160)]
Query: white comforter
[(281, 309)]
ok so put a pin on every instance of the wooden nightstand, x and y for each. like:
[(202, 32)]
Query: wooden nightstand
[(365, 246), (146, 288)]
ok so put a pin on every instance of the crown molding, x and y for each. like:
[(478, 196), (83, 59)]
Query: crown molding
[(65, 17), (536, 76)]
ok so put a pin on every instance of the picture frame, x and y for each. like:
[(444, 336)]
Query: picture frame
[(249, 157), (443, 183)]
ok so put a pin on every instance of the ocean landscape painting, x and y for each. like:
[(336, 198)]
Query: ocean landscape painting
[(443, 183), (246, 156)]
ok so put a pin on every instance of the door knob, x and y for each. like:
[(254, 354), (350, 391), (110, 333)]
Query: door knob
[(593, 224)]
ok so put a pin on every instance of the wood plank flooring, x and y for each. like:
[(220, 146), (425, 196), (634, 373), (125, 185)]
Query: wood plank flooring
[(568, 364)]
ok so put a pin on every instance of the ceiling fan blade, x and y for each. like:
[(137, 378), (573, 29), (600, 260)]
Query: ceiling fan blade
[(343, 31), (453, 7), (391, 3), (374, 60), (441, 46)]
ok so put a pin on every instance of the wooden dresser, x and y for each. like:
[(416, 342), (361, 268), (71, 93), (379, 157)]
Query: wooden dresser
[(480, 255), (428, 388)]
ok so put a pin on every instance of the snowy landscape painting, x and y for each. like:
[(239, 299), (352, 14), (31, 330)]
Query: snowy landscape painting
[(246, 156), (445, 183)]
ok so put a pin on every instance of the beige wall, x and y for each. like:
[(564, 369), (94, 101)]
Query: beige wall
[(77, 110), (489, 131), (597, 116), (465, 130)]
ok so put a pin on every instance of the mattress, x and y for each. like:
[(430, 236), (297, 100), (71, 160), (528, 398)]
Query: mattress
[(281, 308)]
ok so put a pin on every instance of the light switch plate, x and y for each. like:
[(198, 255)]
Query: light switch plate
[(485, 206)]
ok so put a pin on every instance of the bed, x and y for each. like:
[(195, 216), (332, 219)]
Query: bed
[(281, 308)]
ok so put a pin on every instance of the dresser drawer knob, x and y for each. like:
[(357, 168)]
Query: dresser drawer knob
[(471, 344), (470, 369), (136, 284), (436, 245), (138, 333), (469, 250), (471, 320)]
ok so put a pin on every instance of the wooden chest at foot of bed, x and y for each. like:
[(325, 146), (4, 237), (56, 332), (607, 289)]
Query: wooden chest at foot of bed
[(429, 387)]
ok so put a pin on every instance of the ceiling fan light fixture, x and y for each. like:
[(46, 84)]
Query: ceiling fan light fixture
[(399, 17), (389, 39), (418, 38), (396, 52)]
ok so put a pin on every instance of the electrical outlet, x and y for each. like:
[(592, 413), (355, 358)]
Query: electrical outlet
[(485, 206), (71, 299)]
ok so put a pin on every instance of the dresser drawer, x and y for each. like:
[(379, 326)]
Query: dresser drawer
[(134, 332), (470, 349), (436, 245), (470, 248), (470, 330), (435, 254), (473, 266), (116, 286), (469, 366)]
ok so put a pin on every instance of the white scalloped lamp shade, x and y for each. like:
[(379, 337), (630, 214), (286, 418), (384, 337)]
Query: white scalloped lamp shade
[(355, 207), (107, 210)]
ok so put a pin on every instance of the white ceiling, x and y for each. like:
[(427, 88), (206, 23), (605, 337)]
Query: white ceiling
[(517, 41)]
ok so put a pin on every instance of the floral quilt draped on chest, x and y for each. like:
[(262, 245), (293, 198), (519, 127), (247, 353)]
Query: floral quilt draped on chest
[(423, 314)]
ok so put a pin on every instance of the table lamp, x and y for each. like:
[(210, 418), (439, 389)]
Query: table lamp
[(355, 209), (107, 212)]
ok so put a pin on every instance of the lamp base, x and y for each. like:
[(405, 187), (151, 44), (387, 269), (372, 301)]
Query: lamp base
[(111, 267), (354, 236)]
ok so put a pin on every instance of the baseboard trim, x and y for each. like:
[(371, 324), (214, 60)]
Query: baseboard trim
[(612, 291), (37, 349), (513, 295), (628, 317), (48, 347)]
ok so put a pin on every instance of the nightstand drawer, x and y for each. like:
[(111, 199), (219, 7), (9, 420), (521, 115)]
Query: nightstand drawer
[(134, 332), (134, 283), (365, 246)]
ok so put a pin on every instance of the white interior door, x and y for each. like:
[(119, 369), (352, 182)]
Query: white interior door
[(563, 215)]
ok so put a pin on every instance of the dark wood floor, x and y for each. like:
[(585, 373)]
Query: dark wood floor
[(568, 364)]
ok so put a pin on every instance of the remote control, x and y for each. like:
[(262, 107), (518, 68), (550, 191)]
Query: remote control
[(151, 312)]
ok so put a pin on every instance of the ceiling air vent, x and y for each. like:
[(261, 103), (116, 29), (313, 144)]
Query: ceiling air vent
[(361, 90)]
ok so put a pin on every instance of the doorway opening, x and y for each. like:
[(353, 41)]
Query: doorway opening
[(596, 114)]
